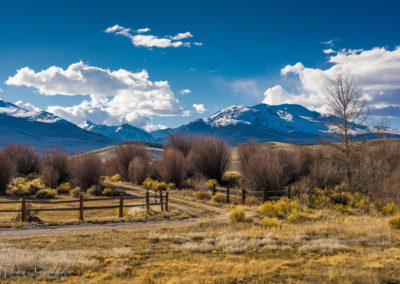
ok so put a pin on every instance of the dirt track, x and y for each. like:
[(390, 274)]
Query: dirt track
[(199, 212)]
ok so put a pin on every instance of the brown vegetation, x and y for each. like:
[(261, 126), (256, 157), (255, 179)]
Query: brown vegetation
[(85, 170), (54, 167), (25, 159)]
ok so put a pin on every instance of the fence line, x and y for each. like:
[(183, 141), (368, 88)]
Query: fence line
[(163, 202)]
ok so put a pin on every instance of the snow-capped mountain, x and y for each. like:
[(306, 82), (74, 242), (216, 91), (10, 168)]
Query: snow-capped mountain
[(284, 123), (38, 116), (125, 132), (45, 130)]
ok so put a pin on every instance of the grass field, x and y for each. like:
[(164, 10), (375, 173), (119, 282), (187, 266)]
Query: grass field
[(334, 248)]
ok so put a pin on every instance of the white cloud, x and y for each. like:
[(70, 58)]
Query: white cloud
[(328, 42), (151, 41), (115, 96), (247, 86), (27, 106), (199, 108), (185, 92), (198, 43), (376, 70), (153, 127), (145, 30), (328, 51)]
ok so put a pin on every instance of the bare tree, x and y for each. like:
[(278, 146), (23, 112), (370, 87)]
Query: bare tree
[(344, 99)]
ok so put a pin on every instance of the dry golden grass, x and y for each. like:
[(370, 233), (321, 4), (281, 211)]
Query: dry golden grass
[(336, 248)]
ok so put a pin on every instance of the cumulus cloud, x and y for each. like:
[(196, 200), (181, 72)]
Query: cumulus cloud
[(199, 108), (185, 92), (116, 97), (139, 39), (376, 70), (328, 51)]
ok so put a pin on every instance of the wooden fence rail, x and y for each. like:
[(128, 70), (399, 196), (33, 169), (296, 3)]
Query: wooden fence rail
[(162, 201), (244, 193)]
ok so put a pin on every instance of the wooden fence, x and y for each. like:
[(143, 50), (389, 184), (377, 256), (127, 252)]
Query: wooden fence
[(243, 193), (161, 200)]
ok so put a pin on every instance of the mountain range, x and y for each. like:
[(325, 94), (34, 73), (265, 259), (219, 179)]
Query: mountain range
[(283, 123)]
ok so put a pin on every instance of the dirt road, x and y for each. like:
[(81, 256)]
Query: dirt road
[(199, 212)]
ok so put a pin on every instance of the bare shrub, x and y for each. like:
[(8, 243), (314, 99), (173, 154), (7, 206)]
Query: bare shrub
[(173, 166), (86, 170), (325, 172), (210, 156), (25, 159), (54, 167), (138, 170), (125, 153), (7, 168), (180, 141)]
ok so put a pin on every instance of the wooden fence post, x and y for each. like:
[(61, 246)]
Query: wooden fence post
[(80, 207), (147, 203), (23, 209), (121, 205), (243, 195), (161, 201), (166, 201), (227, 194), (214, 189)]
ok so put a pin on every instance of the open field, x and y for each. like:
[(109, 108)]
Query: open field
[(335, 248)]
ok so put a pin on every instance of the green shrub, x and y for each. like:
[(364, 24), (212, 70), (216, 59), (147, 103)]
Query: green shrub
[(108, 191), (46, 193), (64, 188), (95, 190), (395, 222), (75, 192), (237, 215), (219, 197), (270, 222), (390, 209), (280, 208)]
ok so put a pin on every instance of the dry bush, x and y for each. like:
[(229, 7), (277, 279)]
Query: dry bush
[(202, 195), (138, 170), (7, 168), (86, 170), (268, 169), (173, 166), (210, 156), (54, 166), (25, 159), (125, 153), (181, 142), (325, 172)]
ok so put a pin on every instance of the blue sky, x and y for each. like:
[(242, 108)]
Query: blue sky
[(241, 52)]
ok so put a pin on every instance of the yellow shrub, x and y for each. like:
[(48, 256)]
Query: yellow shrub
[(270, 222), (115, 178), (219, 197), (390, 209), (36, 185), (251, 201), (299, 217), (108, 191), (75, 192), (148, 183), (46, 193), (280, 208), (158, 186), (210, 183), (64, 187), (20, 190), (343, 209), (232, 178), (395, 222), (237, 215), (95, 190), (363, 205), (201, 195)]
